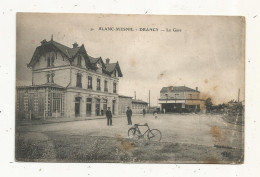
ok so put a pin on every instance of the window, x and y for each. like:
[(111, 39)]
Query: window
[(89, 101), (50, 78), (98, 84), (79, 60), (114, 87), (114, 73), (190, 96), (50, 60), (89, 82), (79, 83), (56, 102), (105, 87)]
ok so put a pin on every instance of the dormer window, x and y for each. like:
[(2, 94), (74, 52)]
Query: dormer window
[(50, 61), (114, 73), (79, 60), (99, 67)]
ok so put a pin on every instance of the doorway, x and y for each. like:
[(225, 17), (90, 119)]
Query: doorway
[(89, 102), (113, 106), (77, 106)]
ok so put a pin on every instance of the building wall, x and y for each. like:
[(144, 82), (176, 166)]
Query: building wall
[(124, 102), (95, 76), (137, 108), (72, 93), (58, 61), (38, 102), (180, 95), (61, 76)]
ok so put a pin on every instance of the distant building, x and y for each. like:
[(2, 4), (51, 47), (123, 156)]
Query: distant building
[(66, 81), (138, 106), (124, 102), (180, 99)]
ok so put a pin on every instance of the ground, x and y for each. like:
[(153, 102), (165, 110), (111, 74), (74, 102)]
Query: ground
[(186, 138)]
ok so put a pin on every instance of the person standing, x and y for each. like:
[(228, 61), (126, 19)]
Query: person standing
[(129, 115), (109, 117), (144, 112)]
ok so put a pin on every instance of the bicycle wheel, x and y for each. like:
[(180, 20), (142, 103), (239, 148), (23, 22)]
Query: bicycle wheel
[(132, 133), (154, 135)]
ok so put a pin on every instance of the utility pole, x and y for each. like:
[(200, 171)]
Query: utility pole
[(135, 95), (238, 95)]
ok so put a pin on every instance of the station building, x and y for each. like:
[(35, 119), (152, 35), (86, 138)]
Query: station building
[(68, 82), (180, 99)]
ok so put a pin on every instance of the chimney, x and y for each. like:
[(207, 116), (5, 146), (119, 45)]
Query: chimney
[(196, 88), (43, 41), (75, 45), (107, 61)]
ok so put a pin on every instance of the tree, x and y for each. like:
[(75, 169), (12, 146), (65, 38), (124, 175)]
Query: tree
[(208, 104)]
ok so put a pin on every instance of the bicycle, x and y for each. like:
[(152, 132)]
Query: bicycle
[(152, 134)]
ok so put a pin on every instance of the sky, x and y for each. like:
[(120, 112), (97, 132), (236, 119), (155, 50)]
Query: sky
[(208, 53)]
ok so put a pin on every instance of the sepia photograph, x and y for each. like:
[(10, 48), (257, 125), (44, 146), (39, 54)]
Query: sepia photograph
[(106, 88)]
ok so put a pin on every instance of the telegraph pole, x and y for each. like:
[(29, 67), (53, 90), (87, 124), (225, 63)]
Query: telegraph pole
[(149, 100), (238, 95)]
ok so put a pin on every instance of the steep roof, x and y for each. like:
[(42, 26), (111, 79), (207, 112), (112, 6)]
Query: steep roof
[(123, 96), (177, 89), (93, 60), (110, 67), (70, 53), (139, 101)]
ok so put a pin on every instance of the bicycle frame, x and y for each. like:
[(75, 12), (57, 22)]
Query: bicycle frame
[(138, 130)]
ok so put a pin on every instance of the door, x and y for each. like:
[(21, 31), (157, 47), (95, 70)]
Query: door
[(88, 108), (113, 106), (97, 107), (77, 106)]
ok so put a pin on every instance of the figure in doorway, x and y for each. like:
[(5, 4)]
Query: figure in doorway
[(129, 115), (102, 112), (109, 117)]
